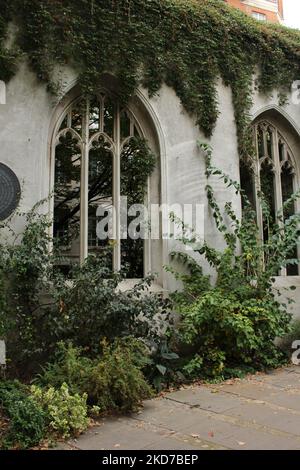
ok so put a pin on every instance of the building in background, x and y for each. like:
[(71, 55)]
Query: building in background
[(264, 10)]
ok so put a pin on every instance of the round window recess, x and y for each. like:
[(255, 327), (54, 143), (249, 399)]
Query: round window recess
[(10, 191)]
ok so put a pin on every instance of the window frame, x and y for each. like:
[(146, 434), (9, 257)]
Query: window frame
[(277, 136), (85, 142), (259, 16)]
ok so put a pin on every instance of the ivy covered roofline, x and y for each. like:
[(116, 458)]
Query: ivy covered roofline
[(185, 43)]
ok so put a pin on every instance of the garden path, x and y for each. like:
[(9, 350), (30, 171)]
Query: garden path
[(261, 411)]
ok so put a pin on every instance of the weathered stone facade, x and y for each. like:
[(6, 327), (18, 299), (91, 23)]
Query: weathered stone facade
[(30, 115)]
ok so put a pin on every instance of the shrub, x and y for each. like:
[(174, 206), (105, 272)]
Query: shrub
[(117, 382), (162, 367), (27, 420), (69, 366), (40, 306), (112, 382), (231, 325), (228, 332), (97, 309), (66, 414), (26, 272)]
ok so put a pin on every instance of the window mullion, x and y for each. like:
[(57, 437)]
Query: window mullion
[(265, 144), (257, 190), (277, 187), (116, 192), (285, 157), (84, 187), (296, 207), (277, 167)]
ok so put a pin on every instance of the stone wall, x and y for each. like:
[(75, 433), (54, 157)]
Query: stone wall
[(26, 126)]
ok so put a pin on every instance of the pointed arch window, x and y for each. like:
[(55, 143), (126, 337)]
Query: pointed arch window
[(96, 150), (276, 180)]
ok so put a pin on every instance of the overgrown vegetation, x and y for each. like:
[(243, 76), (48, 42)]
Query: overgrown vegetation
[(72, 388), (42, 311), (41, 306), (187, 44), (114, 382), (89, 347), (231, 326), (65, 414), (27, 421), (38, 414)]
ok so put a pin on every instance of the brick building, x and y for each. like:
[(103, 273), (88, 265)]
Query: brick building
[(264, 10)]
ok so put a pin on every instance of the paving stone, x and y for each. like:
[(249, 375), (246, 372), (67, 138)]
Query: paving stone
[(284, 379), (182, 442), (283, 420), (243, 435), (253, 390), (128, 435), (188, 420), (205, 398), (253, 439), (169, 444), (166, 413), (289, 399)]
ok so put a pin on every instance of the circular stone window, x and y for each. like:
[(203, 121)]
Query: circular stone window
[(10, 191)]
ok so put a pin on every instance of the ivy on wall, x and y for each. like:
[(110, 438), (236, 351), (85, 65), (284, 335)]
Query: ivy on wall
[(187, 44)]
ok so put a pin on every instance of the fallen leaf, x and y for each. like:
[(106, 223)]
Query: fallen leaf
[(241, 443)]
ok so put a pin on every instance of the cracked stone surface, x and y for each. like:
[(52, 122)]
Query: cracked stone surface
[(259, 412)]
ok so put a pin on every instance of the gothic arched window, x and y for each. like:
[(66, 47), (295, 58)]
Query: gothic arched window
[(100, 155), (275, 180)]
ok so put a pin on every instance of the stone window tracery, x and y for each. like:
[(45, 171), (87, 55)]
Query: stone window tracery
[(95, 151), (276, 181)]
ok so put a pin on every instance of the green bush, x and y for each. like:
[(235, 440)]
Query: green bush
[(36, 414), (66, 414), (96, 309), (117, 382), (227, 332), (231, 325), (40, 306), (112, 382), (70, 367), (162, 367), (27, 419), (26, 272)]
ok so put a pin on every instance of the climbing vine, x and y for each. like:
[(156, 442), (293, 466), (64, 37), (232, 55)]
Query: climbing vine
[(188, 44)]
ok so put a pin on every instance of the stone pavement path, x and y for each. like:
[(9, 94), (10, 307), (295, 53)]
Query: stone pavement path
[(259, 412)]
